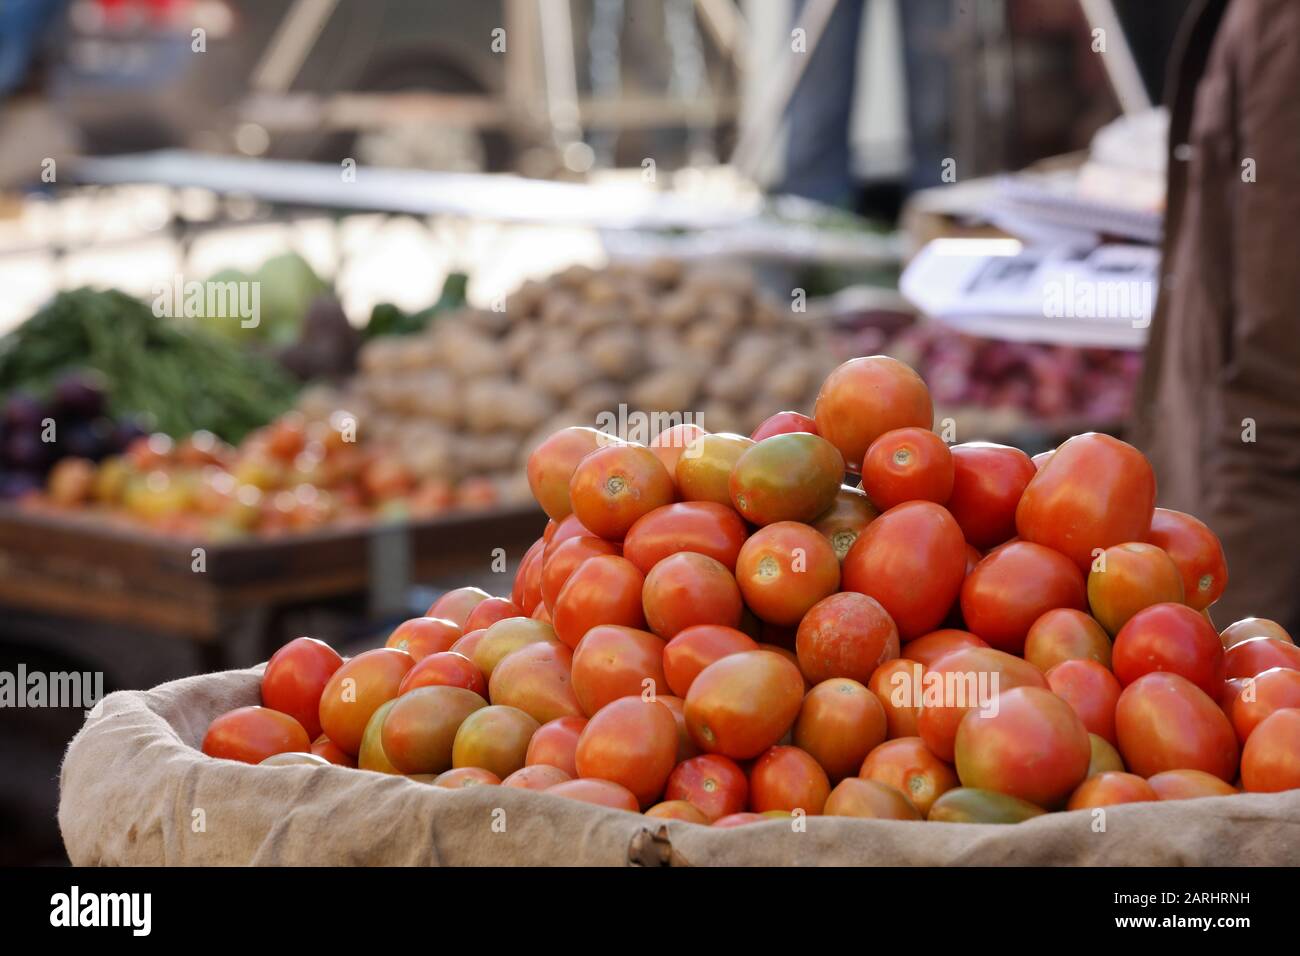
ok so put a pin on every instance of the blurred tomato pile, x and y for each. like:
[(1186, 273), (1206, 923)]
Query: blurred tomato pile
[(715, 629), (294, 474)]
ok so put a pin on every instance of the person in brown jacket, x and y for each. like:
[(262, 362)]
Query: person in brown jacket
[(1219, 402)]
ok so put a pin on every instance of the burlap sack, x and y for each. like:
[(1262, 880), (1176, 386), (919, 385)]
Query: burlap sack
[(135, 790)]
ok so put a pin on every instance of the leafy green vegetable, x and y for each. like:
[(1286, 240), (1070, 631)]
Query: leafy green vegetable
[(389, 319), (183, 377)]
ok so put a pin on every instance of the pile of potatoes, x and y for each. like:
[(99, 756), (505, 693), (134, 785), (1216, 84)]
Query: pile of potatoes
[(473, 394)]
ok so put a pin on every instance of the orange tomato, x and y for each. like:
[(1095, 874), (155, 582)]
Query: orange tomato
[(704, 527), (855, 797), (695, 648), (908, 766), (614, 486), (536, 679), (1091, 690), (556, 743), (356, 690), (866, 397), (1108, 789), (845, 635), (689, 589), (632, 742), (929, 648), (744, 703), (604, 793), (1270, 761), (712, 783), (1066, 634), (1129, 577), (901, 713), (1012, 587), (787, 778), (251, 734), (838, 725), (552, 464), (422, 636), (784, 569), (602, 590), (612, 661)]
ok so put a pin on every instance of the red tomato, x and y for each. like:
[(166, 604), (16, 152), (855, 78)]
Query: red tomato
[(704, 527), (866, 397), (294, 678), (911, 559), (845, 635), (1129, 577), (539, 776), (565, 559), (963, 681), (632, 742), (854, 797), (489, 612), (784, 423), (602, 590), (615, 485), (422, 636), (1095, 491), (445, 669), (677, 810), (356, 690), (1033, 747), (1249, 627), (695, 648), (1275, 689), (1196, 551), (1091, 690), (688, 589), (907, 464), (1110, 788), (907, 765), (669, 444), (556, 744), (1013, 587), (787, 778), (466, 645), (567, 528), (1270, 761), (418, 732), (527, 589), (838, 724), (929, 648), (1170, 637), (604, 793), (536, 679), (322, 746), (251, 734), (463, 777), (784, 569), (1188, 785), (552, 464), (889, 680), (744, 703), (456, 605), (739, 820), (713, 784), (1255, 655), (1165, 722), (1064, 635), (786, 478), (987, 483), (613, 662)]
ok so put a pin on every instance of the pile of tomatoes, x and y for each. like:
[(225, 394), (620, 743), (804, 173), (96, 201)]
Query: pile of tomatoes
[(716, 628)]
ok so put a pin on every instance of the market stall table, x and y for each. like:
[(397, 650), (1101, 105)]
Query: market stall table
[(80, 567)]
